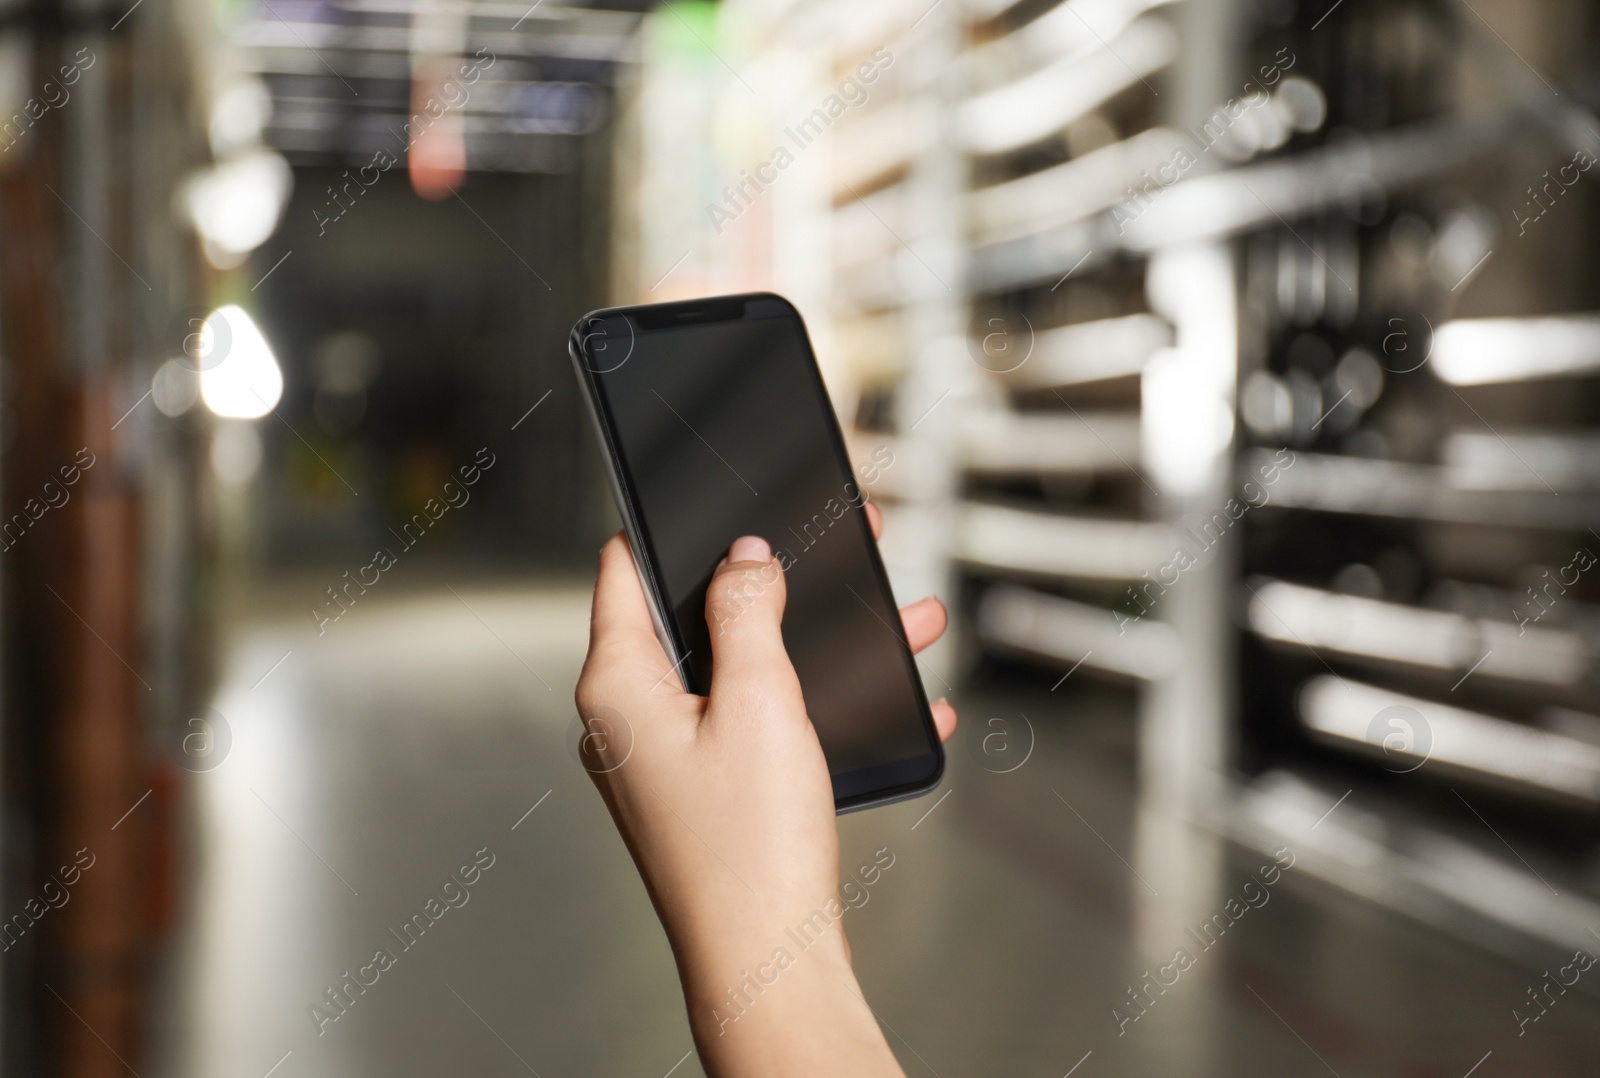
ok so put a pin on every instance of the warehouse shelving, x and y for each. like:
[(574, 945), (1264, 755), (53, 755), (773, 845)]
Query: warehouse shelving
[(1382, 665), (1074, 361)]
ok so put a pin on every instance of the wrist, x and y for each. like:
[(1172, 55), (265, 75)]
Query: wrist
[(721, 938), (734, 959), (735, 974), (796, 1012)]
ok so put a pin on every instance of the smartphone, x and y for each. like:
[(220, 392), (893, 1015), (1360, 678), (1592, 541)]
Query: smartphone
[(715, 424)]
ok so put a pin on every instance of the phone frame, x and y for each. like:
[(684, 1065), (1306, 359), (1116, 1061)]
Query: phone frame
[(702, 311)]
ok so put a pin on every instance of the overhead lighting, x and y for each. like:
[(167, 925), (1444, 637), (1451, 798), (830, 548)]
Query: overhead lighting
[(238, 116), (1479, 351), (247, 383), (236, 205)]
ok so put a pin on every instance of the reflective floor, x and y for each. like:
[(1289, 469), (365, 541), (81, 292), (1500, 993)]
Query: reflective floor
[(422, 743)]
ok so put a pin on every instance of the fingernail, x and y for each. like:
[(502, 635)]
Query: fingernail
[(749, 548), (941, 700)]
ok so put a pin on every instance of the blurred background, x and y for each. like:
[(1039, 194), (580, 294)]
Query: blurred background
[(1236, 361)]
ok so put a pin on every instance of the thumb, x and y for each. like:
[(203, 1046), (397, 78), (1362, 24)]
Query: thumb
[(744, 611)]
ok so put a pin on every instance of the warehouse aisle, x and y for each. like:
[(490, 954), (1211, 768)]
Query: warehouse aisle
[(414, 760), (411, 740)]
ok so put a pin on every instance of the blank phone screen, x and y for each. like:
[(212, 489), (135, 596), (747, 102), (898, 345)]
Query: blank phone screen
[(723, 429)]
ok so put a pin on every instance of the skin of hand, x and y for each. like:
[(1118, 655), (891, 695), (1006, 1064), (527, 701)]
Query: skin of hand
[(725, 803)]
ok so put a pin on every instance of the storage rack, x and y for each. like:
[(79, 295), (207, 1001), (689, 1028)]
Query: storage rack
[(1087, 367), (1440, 425)]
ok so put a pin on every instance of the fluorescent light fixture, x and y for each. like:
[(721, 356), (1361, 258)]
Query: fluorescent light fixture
[(247, 383), (1349, 711), (1480, 351)]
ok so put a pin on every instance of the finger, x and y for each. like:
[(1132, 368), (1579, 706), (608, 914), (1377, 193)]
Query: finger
[(875, 518), (744, 610), (925, 621), (619, 622), (944, 719)]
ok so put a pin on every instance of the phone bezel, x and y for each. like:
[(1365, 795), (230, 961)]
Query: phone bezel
[(675, 315)]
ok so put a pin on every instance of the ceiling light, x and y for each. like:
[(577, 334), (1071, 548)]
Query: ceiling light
[(247, 383)]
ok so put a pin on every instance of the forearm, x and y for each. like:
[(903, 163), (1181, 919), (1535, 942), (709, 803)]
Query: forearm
[(776, 1009)]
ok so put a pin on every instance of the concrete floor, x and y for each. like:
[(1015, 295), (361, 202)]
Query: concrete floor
[(375, 760)]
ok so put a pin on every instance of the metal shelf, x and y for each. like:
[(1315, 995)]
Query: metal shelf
[(1445, 644), (1384, 849), (999, 443), (1041, 103), (1059, 545), (1064, 633), (1460, 744), (1338, 484)]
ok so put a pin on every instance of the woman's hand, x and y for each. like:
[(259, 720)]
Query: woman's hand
[(726, 806)]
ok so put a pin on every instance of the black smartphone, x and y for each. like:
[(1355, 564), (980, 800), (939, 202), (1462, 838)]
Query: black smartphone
[(715, 424)]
